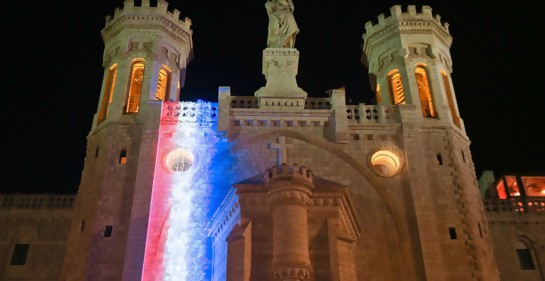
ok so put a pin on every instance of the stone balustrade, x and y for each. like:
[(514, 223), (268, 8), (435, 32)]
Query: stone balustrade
[(521, 205), (33, 201)]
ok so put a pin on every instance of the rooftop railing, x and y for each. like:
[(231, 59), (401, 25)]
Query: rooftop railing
[(23, 201)]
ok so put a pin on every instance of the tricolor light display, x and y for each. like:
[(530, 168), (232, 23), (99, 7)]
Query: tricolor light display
[(176, 240)]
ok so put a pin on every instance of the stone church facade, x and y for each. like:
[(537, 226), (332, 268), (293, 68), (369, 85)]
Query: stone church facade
[(274, 186)]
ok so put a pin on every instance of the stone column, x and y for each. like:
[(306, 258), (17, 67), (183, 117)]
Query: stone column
[(289, 192)]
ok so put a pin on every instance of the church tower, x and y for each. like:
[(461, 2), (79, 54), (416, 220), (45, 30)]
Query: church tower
[(409, 63), (147, 49)]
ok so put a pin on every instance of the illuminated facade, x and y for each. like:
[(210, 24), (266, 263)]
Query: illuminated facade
[(281, 186), (515, 209)]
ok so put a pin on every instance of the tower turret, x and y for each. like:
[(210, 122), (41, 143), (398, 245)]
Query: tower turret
[(409, 63), (408, 57), (146, 52), (289, 194)]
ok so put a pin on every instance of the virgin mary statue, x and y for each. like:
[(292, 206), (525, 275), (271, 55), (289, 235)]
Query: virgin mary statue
[(282, 25)]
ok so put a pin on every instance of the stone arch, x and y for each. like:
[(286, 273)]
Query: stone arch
[(527, 242), (361, 168)]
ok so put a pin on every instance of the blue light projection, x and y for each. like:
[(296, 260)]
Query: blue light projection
[(186, 257)]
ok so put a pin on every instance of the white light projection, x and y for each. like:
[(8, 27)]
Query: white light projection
[(194, 138)]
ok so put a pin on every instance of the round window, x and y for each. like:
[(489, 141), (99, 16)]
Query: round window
[(385, 163), (180, 160)]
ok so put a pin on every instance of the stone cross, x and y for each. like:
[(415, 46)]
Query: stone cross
[(281, 146)]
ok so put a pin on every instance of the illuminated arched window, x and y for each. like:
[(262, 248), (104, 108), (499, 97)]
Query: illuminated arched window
[(379, 98), (108, 93), (163, 83), (178, 88), (136, 79), (450, 99), (397, 94), (424, 92)]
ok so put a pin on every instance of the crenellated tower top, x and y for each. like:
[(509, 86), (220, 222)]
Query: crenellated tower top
[(148, 17), (409, 62), (146, 11), (146, 52), (409, 20), (295, 172)]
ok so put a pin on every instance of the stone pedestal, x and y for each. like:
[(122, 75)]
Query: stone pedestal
[(280, 68)]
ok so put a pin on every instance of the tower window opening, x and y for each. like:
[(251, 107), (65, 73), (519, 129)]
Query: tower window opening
[(123, 157), (439, 159), (108, 93), (82, 226), (525, 255), (424, 92), (397, 93), (480, 230), (96, 152), (534, 186), (178, 88), (163, 83), (377, 94), (450, 99), (500, 188), (452, 233), (463, 156), (136, 80), (20, 254), (525, 259), (108, 231), (512, 186)]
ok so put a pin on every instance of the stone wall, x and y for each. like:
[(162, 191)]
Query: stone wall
[(42, 222)]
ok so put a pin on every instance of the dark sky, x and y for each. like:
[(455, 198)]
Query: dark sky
[(52, 72)]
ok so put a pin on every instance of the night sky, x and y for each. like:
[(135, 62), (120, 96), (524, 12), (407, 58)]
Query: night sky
[(52, 74)]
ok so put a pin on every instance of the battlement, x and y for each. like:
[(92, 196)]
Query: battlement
[(147, 12), (404, 18), (294, 171)]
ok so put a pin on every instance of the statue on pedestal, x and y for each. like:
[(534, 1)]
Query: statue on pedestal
[(282, 25)]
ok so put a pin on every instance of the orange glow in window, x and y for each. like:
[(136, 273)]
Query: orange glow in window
[(512, 186), (534, 186), (500, 187)]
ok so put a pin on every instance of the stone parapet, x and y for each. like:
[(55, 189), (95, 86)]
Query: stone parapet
[(410, 19), (519, 206), (36, 201)]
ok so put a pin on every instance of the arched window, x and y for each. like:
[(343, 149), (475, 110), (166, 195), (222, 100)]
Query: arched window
[(525, 254), (397, 94), (450, 99), (132, 100), (163, 83), (108, 93), (424, 92), (379, 98)]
